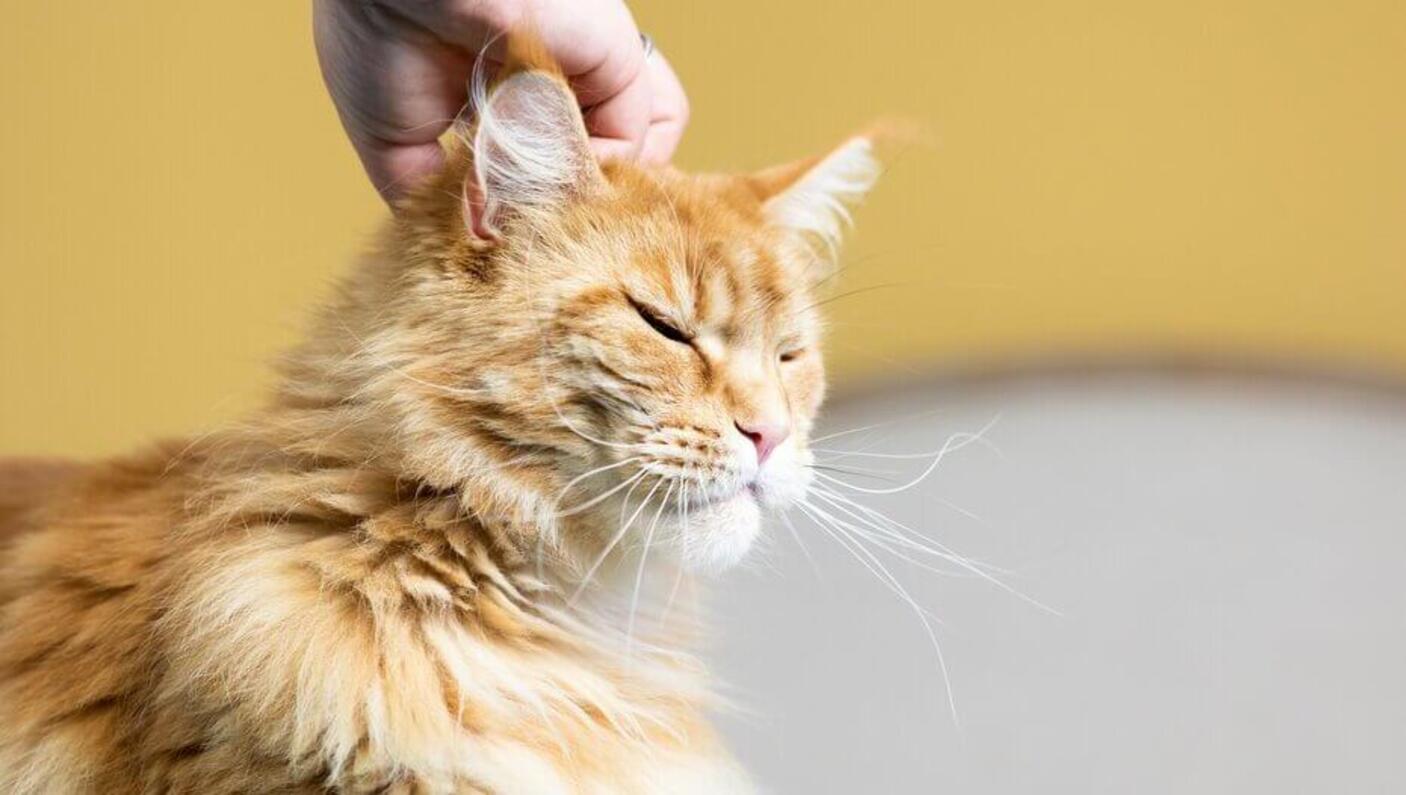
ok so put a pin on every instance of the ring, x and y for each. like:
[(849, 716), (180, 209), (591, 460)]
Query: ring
[(648, 42)]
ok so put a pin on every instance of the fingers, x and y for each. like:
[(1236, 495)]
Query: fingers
[(669, 113), (397, 71), (618, 125), (395, 168), (646, 120), (634, 105), (604, 60), (396, 90)]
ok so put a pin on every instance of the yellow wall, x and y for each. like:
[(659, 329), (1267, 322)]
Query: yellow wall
[(1203, 176)]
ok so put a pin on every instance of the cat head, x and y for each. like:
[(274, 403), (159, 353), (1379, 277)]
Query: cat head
[(605, 353)]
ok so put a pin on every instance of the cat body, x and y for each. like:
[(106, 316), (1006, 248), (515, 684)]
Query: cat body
[(164, 638), (455, 552)]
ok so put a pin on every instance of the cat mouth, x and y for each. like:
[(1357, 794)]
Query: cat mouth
[(750, 492)]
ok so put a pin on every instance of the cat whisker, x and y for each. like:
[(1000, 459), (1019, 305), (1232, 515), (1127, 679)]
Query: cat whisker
[(625, 503), (865, 454), (631, 481), (900, 533), (620, 534), (596, 471), (878, 474), (848, 533), (639, 574), (872, 474), (835, 530), (796, 534), (954, 443), (557, 514), (848, 293), (836, 454), (874, 426), (678, 573), (977, 568), (896, 543)]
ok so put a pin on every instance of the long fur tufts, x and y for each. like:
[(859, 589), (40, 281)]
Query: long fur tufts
[(455, 550)]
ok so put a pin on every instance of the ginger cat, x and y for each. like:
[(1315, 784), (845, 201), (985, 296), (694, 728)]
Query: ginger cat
[(453, 553)]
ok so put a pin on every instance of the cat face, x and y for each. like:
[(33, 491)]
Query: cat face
[(617, 356), (695, 343)]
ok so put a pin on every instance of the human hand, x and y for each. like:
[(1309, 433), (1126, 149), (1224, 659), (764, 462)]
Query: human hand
[(398, 73)]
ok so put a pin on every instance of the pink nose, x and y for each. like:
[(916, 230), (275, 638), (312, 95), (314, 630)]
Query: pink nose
[(765, 436)]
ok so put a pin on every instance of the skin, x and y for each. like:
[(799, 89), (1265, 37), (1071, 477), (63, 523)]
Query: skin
[(398, 70)]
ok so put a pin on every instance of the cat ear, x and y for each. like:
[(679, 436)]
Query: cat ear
[(812, 197), (530, 149)]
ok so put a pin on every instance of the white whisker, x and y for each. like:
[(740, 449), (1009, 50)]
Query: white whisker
[(877, 568), (954, 443), (795, 534), (827, 437), (679, 569), (902, 533), (977, 568), (583, 476), (639, 575), (599, 498), (895, 543), (865, 454), (605, 553), (882, 524)]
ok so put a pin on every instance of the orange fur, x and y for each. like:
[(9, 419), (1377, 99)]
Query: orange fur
[(381, 582)]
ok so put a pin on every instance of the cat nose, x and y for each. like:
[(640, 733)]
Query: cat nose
[(766, 435)]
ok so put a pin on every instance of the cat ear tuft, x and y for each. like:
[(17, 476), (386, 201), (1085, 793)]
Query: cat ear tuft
[(813, 197), (530, 150)]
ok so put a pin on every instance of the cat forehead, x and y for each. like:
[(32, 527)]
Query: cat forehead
[(695, 245), (706, 223), (725, 283)]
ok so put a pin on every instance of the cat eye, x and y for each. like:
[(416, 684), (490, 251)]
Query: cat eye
[(659, 324), (791, 356)]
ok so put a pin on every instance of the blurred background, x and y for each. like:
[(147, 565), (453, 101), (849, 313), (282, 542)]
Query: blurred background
[(1163, 245)]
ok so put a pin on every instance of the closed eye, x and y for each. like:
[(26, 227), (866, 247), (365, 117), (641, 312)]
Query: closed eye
[(659, 324)]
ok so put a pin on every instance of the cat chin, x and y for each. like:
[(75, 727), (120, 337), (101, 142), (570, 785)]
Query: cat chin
[(719, 535)]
